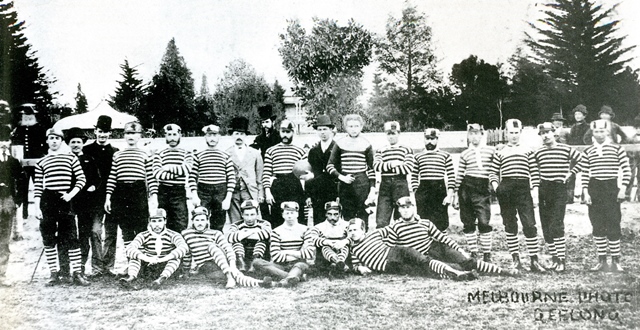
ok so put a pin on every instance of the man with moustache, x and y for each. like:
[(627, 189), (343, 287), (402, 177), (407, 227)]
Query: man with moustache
[(171, 167), (212, 179), (268, 137), (248, 166), (103, 254), (322, 187)]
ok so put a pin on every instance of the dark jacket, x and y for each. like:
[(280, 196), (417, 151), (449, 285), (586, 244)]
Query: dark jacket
[(86, 199), (577, 132), (34, 140), (12, 180), (103, 157), (322, 183), (262, 142)]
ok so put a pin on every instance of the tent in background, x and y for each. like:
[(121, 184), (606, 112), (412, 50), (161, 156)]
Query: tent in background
[(89, 119)]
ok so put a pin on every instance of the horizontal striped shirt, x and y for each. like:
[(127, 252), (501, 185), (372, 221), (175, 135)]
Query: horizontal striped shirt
[(58, 172), (383, 158), (132, 164), (433, 165), (199, 243), (418, 234), (296, 238), (212, 166), (327, 232), (261, 227), (512, 161), (473, 166), (605, 166), (280, 159), (553, 164), (351, 156), (372, 251), (168, 242), (171, 166)]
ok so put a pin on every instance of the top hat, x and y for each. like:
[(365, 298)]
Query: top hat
[(392, 126), (74, 132), (606, 109), (266, 112), (323, 120), (239, 124), (580, 108), (27, 109), (104, 123), (513, 123), (211, 129), (557, 116), (5, 133)]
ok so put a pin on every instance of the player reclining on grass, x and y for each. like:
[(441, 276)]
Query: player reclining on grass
[(331, 252), (249, 237), (208, 246), (156, 250)]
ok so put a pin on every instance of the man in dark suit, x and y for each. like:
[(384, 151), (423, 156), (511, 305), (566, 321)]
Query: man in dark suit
[(268, 138), (323, 186)]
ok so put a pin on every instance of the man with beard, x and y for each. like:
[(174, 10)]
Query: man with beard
[(248, 166), (280, 184), (212, 179), (249, 237), (268, 137), (59, 178), (322, 187), (171, 167), (433, 181), (103, 257), (511, 171), (86, 204), (131, 188)]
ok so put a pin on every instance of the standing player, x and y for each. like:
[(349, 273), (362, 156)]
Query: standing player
[(210, 246), (131, 188), (102, 257), (433, 181), (212, 178), (171, 168), (394, 162), (474, 196), (512, 167), (156, 250), (603, 164), (351, 161), (280, 184), (249, 236), (53, 192), (268, 137), (322, 187), (553, 163), (248, 166)]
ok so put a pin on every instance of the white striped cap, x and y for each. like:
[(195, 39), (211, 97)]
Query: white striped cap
[(431, 132), (211, 129), (392, 126), (513, 124), (600, 124)]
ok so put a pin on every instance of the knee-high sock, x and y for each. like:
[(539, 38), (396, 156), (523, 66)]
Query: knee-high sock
[(75, 260), (561, 247), (170, 268), (238, 249), (51, 253), (486, 267), (485, 242), (614, 248), (134, 267), (552, 248), (259, 249), (244, 280), (512, 243), (601, 245), (472, 241), (329, 254), (343, 254), (219, 257), (532, 245)]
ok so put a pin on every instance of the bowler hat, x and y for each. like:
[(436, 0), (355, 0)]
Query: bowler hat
[(266, 112), (239, 124), (27, 109), (323, 120), (557, 116), (580, 108), (74, 132), (606, 109), (104, 123)]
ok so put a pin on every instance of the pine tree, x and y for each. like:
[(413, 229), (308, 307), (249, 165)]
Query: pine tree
[(81, 101), (204, 107), (129, 94)]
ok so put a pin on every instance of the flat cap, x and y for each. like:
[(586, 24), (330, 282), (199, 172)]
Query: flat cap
[(249, 204), (392, 126), (159, 214), (291, 206), (172, 128), (211, 129), (431, 132), (404, 201), (513, 124), (54, 131)]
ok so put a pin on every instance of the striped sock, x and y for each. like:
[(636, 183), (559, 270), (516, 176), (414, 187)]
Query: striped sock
[(329, 254), (486, 267), (552, 248), (614, 248), (561, 247), (512, 243), (601, 245), (75, 260), (485, 242), (532, 245), (51, 253), (238, 249), (259, 249), (472, 242), (219, 258), (243, 280), (170, 268), (134, 267), (343, 254), (437, 266)]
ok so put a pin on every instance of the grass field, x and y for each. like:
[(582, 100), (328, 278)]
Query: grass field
[(375, 302)]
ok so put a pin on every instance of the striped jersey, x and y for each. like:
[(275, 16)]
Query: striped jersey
[(475, 162), (58, 172), (372, 251), (171, 166), (280, 159), (168, 242), (199, 243), (553, 164), (296, 238), (132, 164), (212, 166), (326, 231), (418, 234), (605, 164), (433, 165), (512, 161), (384, 156), (351, 156), (261, 227)]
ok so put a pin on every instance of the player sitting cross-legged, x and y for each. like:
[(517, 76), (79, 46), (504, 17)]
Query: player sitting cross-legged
[(329, 233), (249, 237)]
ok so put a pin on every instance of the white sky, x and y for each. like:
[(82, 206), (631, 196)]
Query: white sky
[(80, 41)]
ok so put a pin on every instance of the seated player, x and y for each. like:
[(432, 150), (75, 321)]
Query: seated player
[(372, 252), (249, 237), (329, 233), (207, 246), (423, 236), (291, 246), (156, 250)]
